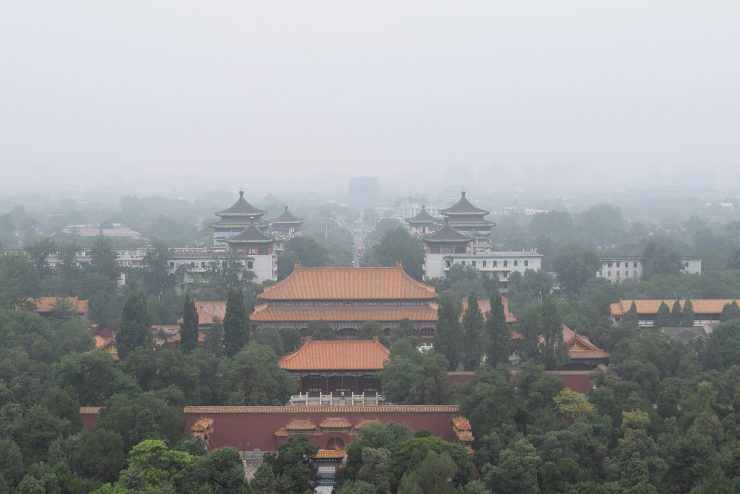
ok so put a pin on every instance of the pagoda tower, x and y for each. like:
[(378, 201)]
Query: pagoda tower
[(235, 219), (440, 244), (258, 250), (423, 223), (285, 227), (470, 220)]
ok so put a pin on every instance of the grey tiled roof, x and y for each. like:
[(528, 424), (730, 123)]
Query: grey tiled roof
[(446, 234), (251, 234), (423, 217), (463, 206), (286, 217), (241, 207)]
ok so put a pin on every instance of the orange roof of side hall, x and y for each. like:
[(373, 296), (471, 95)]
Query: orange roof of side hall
[(485, 308), (345, 355), (49, 304), (650, 306), (348, 284)]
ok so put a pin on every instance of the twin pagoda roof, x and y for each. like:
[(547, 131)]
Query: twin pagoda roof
[(243, 214), (462, 214)]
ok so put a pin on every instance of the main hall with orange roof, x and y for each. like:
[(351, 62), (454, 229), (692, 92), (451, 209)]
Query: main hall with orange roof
[(345, 299)]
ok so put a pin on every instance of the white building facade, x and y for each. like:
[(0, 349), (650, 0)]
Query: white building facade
[(620, 268)]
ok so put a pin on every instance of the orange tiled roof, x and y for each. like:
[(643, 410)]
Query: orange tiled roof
[(580, 347), (330, 454), (336, 355), (650, 306), (48, 304), (89, 410), (485, 308), (300, 425), (103, 343), (210, 310), (335, 423), (348, 284), (293, 410), (281, 432), (268, 313)]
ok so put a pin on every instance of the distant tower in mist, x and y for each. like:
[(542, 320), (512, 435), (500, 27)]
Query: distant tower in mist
[(364, 191)]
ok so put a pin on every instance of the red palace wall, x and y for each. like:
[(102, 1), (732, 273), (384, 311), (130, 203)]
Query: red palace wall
[(250, 428)]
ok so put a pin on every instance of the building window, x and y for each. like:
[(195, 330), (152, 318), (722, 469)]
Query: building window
[(250, 264), (447, 263), (172, 264), (526, 263), (609, 273), (626, 274), (635, 274), (462, 263), (506, 263), (202, 264), (484, 264), (516, 263), (634, 265), (494, 263), (617, 263), (609, 265), (473, 263)]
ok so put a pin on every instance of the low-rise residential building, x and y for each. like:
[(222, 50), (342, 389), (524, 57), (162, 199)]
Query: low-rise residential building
[(114, 230)]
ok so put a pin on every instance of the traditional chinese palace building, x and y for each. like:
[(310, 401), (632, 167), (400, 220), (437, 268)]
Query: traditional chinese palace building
[(470, 220), (423, 223), (339, 369), (464, 239), (707, 312), (345, 299), (241, 233)]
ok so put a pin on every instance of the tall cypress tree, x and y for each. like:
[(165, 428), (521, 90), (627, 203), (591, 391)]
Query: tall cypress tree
[(189, 326), (631, 315), (554, 353), (472, 332), (730, 311), (675, 319), (498, 347), (135, 330), (236, 323), (663, 317), (687, 318), (449, 334)]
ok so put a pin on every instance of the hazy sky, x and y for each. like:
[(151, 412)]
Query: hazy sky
[(300, 95)]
